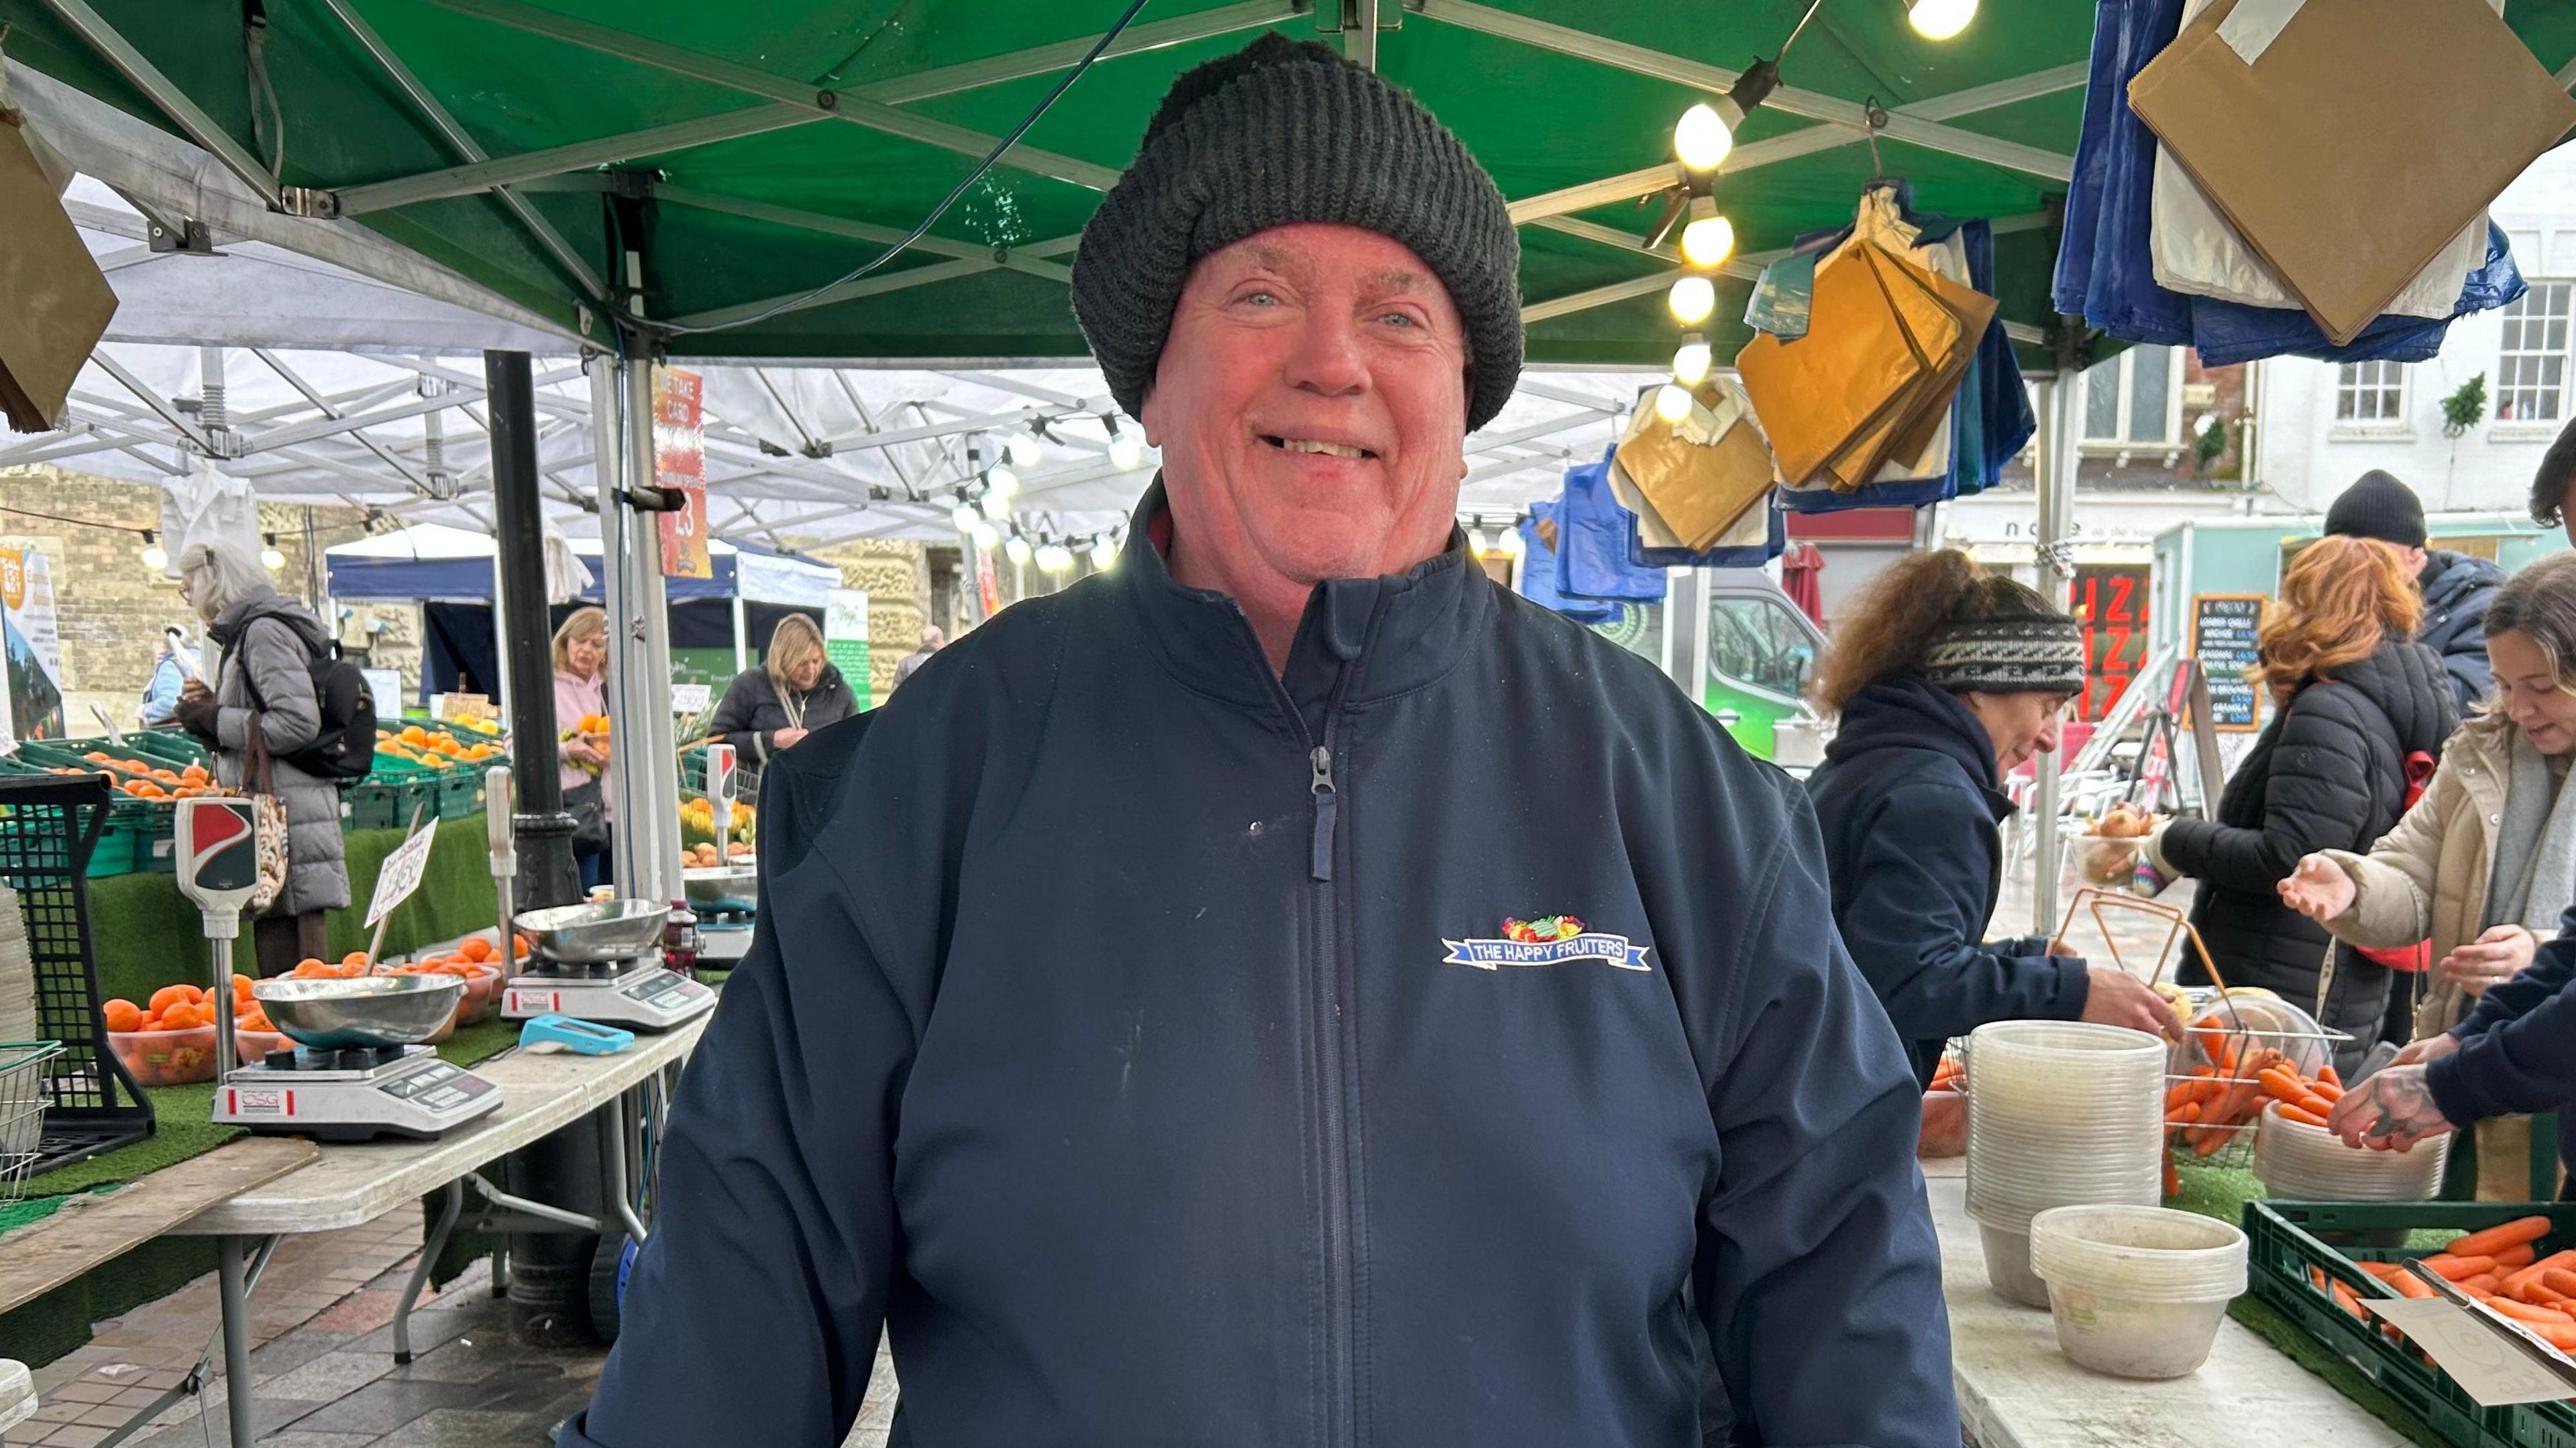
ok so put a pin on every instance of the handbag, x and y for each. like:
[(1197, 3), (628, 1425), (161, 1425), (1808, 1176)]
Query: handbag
[(588, 806), (269, 823)]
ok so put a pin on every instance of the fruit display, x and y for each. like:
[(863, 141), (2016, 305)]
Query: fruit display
[(591, 729), (703, 856), (478, 962), (698, 823), (144, 780), (432, 748), (170, 1040)]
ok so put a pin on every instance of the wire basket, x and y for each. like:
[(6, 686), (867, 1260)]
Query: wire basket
[(24, 1095), (2229, 1038), (49, 824)]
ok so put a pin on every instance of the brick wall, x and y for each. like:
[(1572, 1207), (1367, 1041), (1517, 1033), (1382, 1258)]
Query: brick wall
[(896, 578)]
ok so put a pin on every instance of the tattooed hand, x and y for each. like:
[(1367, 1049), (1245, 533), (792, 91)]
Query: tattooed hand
[(2391, 1111)]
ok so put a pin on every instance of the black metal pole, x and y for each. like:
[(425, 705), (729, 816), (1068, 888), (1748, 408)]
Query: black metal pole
[(550, 1272)]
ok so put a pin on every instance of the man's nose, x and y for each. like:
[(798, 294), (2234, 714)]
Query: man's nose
[(1327, 359), (2047, 741)]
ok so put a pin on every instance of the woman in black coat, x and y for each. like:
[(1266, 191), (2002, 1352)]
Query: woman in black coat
[(2354, 699), (794, 692), (1947, 678)]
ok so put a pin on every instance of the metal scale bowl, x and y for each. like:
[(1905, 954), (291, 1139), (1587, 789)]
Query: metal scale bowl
[(725, 897), (601, 963), (358, 1069)]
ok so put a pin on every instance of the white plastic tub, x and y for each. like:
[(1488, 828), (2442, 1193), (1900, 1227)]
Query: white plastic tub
[(2008, 1267), (2137, 1292)]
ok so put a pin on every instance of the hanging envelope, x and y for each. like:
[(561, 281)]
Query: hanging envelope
[(58, 302), (2349, 141), (1853, 372), (1881, 217), (1698, 478), (1911, 433)]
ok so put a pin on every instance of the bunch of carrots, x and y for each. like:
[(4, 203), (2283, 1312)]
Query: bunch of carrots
[(2229, 1089), (1949, 1075), (2500, 1267)]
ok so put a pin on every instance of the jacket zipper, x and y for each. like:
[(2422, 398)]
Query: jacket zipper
[(1330, 1028)]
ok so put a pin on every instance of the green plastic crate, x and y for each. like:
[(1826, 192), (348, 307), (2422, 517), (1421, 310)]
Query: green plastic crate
[(150, 831), (2283, 1244), (385, 802), (176, 747), (460, 793)]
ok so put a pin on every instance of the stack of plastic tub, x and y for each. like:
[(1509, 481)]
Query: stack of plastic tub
[(2060, 1114), (2137, 1291), (2304, 1163)]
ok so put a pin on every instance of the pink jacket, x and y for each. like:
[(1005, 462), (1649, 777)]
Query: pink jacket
[(574, 697)]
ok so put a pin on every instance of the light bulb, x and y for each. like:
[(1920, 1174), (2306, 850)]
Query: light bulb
[(1002, 481), (997, 506), (1024, 451), (1672, 404), (965, 517), (1941, 19), (156, 558), (1104, 555), (1692, 299), (1690, 363), (271, 559), (1126, 453), (1016, 548), (1708, 242), (1055, 558), (986, 535), (1475, 541), (1513, 544), (1702, 138)]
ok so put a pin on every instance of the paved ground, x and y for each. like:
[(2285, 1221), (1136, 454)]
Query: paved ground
[(323, 1357)]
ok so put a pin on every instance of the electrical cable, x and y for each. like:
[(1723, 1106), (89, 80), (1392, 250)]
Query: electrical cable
[(991, 158)]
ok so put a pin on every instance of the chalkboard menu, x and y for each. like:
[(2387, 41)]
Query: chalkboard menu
[(2222, 638)]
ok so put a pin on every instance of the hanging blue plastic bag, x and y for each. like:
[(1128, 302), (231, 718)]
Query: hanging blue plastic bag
[(1538, 570), (1592, 542)]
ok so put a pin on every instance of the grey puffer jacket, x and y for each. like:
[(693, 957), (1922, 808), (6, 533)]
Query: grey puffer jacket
[(272, 640)]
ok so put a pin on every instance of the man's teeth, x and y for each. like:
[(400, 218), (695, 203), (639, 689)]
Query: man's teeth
[(1329, 449)]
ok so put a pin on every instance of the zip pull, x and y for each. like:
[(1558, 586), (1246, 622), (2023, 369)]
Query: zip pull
[(1327, 804)]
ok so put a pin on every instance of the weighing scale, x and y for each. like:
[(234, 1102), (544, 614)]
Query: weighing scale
[(723, 896), (601, 963), (356, 1071)]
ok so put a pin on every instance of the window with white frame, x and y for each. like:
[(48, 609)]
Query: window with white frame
[(2134, 400), (2370, 393), (2531, 370)]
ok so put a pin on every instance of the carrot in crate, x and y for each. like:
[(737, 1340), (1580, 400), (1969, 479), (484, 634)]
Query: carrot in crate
[(2525, 1312), (2491, 1241), (2409, 1285), (2302, 1115), (2458, 1268), (2555, 1261), (2558, 1280), (2518, 1256), (2482, 1285), (2350, 1301), (2173, 1180)]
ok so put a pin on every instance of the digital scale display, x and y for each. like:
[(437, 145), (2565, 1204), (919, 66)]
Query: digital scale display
[(665, 990), (439, 1088)]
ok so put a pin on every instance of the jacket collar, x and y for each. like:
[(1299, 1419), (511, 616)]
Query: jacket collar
[(1907, 713), (1396, 632)]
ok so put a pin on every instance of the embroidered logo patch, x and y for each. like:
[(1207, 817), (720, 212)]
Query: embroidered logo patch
[(1553, 940)]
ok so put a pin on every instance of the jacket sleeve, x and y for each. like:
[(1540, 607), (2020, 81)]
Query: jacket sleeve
[(2466, 665), (1817, 1271), (754, 1310), (1913, 927), (2522, 1057), (732, 720), (161, 697), (279, 669), (2392, 903), (2552, 966), (2315, 799)]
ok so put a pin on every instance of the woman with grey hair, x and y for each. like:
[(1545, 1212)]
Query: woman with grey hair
[(2485, 863), (269, 643)]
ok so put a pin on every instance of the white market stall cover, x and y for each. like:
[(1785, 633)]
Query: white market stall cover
[(457, 564)]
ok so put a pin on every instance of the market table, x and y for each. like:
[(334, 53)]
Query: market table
[(350, 1184), (2017, 1391)]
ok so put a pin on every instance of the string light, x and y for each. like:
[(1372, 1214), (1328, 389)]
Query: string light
[(154, 556), (1024, 451), (965, 517), (1692, 300), (1702, 138), (1002, 480), (1672, 403), (1104, 555), (1016, 548), (1475, 541), (1691, 361), (269, 557), (1709, 240), (997, 506), (985, 535), (1941, 19), (1513, 544), (1126, 451), (1054, 558)]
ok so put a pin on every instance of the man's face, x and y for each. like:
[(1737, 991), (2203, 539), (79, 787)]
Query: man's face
[(1311, 407)]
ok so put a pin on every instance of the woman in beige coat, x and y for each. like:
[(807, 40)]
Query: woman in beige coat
[(2485, 863)]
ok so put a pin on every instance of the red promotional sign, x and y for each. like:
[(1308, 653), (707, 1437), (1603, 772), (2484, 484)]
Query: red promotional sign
[(680, 461)]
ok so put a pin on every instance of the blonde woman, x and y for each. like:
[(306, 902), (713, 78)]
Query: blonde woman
[(794, 692), (581, 689), (2485, 863)]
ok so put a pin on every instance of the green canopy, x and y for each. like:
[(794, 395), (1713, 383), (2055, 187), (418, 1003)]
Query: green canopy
[(783, 146)]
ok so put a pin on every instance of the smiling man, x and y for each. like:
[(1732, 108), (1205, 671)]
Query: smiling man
[(1290, 991)]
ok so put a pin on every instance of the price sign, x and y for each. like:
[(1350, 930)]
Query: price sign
[(2223, 629), (688, 698), (400, 875)]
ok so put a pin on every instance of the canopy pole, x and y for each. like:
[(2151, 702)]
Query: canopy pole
[(608, 450), (652, 753), (2060, 396), (741, 627)]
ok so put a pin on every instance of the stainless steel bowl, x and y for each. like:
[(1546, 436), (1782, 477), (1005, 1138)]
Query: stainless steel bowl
[(597, 933), (721, 884), (373, 1010)]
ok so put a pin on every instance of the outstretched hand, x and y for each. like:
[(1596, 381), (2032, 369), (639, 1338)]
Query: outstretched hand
[(2318, 889), (2391, 1111)]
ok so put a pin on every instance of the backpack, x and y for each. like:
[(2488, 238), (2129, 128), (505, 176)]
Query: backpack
[(344, 749)]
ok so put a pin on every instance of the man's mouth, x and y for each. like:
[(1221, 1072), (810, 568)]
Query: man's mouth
[(1316, 445)]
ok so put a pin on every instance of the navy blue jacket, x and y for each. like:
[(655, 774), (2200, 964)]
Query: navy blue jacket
[(2457, 589), (2518, 1046), (1102, 1043), (1907, 801)]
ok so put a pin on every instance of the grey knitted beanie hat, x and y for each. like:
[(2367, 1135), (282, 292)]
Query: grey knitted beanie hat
[(1280, 132), (2035, 652)]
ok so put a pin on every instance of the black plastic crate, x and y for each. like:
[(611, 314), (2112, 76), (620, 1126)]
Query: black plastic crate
[(53, 824), (2283, 1243)]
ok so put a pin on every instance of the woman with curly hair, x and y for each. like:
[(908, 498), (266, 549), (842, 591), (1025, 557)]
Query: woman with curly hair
[(2354, 700), (1947, 678)]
